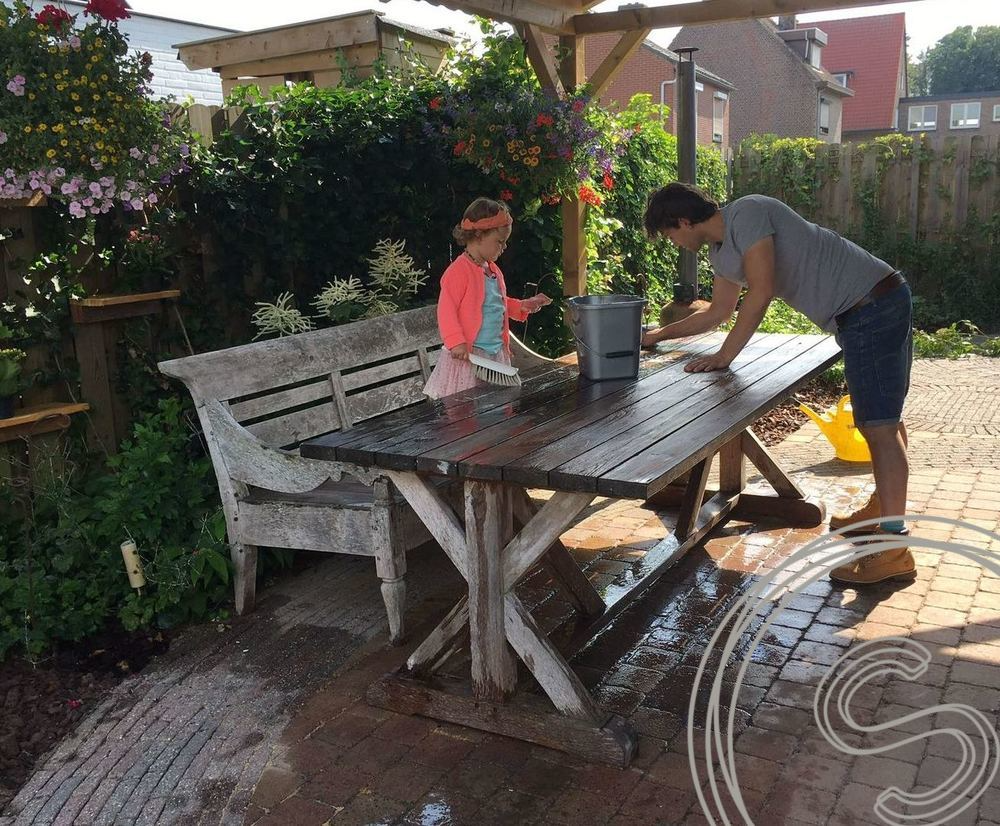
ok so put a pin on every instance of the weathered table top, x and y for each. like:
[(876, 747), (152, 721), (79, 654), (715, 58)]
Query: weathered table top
[(559, 431)]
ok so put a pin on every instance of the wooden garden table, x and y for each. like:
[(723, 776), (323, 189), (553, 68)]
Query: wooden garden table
[(624, 439)]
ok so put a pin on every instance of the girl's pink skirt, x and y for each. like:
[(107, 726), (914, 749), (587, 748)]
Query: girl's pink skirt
[(453, 375)]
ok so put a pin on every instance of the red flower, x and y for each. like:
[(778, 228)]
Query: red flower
[(507, 195), (110, 10), (609, 182), (435, 103), (460, 148), (578, 105), (544, 120), (588, 196), (551, 198), (54, 17), (73, 704)]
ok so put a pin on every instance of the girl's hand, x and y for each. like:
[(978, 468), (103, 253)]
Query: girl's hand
[(459, 351), (536, 302)]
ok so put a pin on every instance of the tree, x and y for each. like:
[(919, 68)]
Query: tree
[(916, 75), (966, 60)]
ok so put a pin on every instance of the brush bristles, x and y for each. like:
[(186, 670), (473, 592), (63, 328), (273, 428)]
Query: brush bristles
[(496, 377)]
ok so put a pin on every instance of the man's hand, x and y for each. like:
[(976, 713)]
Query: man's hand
[(650, 338), (706, 364), (459, 351)]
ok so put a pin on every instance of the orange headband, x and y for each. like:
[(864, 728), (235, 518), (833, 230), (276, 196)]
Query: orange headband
[(501, 219)]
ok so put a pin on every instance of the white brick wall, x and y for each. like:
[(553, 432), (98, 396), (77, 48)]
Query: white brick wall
[(157, 35)]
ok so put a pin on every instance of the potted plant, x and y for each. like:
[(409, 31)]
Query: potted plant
[(10, 374)]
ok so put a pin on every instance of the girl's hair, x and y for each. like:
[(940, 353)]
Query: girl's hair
[(476, 211), (667, 206)]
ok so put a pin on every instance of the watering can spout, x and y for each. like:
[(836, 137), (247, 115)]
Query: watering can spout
[(822, 421), (837, 424)]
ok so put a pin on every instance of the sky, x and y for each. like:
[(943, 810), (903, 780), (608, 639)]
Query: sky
[(926, 20)]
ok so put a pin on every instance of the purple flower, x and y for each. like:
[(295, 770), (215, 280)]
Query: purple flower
[(135, 152), (68, 189), (151, 198), (76, 210), (136, 203), (95, 189), (185, 150), (3, 136), (88, 202), (74, 42), (153, 159)]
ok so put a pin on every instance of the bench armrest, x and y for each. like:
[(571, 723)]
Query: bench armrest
[(249, 461)]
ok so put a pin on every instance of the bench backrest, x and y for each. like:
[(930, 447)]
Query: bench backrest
[(290, 389)]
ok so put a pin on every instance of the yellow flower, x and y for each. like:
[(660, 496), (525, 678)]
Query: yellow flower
[(104, 158), (60, 86), (43, 74), (535, 150), (99, 144), (42, 127), (104, 77), (98, 42), (27, 129), (31, 95), (52, 50), (534, 161), (97, 97), (77, 108), (64, 142), (74, 96), (486, 143), (51, 153)]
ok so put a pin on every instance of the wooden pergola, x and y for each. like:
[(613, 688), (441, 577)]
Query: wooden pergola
[(572, 20)]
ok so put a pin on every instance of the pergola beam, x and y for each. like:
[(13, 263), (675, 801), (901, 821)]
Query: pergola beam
[(705, 11), (556, 19), (605, 73), (541, 59)]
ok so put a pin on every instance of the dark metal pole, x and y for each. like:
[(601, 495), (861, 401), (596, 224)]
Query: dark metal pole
[(686, 288)]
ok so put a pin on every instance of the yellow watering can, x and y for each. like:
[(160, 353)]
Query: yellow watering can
[(837, 425)]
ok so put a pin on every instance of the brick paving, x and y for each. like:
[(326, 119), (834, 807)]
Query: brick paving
[(280, 733)]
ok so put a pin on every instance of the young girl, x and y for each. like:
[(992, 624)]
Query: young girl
[(474, 309)]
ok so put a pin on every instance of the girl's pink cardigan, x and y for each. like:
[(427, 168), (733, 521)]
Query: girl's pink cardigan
[(460, 308)]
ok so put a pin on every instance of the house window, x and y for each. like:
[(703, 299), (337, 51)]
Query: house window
[(996, 112), (965, 115), (824, 116), (718, 118), (841, 78), (922, 118)]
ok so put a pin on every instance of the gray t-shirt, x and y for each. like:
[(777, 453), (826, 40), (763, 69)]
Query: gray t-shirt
[(816, 271)]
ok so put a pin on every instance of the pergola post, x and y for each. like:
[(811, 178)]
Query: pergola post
[(573, 72)]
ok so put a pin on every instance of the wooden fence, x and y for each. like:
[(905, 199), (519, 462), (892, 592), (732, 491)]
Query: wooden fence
[(930, 189)]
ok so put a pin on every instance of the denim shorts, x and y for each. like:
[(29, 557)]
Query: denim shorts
[(877, 340)]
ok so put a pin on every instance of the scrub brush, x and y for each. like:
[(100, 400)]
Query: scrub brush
[(494, 372)]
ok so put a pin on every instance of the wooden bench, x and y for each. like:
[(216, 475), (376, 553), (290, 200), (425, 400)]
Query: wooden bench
[(258, 402)]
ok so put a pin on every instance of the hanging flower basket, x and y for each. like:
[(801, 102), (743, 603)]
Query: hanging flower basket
[(76, 122)]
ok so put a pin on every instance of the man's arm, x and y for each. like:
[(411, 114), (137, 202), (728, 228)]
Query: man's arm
[(758, 267), (725, 294)]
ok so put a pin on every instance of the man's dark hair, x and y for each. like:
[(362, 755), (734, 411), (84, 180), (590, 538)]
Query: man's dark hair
[(667, 206)]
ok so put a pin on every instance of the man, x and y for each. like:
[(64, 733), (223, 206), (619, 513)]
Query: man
[(761, 244)]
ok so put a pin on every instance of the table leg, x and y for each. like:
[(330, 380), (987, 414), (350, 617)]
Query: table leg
[(494, 675), (790, 504)]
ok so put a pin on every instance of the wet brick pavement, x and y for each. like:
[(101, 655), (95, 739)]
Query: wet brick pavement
[(266, 723)]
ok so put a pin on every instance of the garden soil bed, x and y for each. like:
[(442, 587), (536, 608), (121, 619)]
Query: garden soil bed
[(42, 704)]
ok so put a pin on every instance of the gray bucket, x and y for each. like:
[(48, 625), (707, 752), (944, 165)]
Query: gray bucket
[(608, 331)]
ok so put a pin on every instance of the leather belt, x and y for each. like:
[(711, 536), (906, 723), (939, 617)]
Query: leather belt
[(886, 285)]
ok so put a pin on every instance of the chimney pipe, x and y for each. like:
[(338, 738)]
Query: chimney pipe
[(786, 22)]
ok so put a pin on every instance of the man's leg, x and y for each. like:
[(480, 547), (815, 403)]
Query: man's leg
[(889, 466)]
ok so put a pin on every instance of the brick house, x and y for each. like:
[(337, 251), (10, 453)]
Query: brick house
[(652, 70), (783, 89), (960, 113), (154, 34), (868, 55)]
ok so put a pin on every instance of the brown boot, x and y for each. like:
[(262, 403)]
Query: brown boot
[(872, 509), (895, 563)]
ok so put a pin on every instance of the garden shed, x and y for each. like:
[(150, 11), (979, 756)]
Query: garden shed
[(318, 51)]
